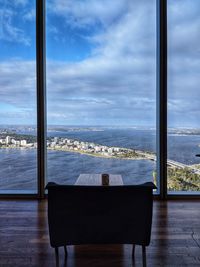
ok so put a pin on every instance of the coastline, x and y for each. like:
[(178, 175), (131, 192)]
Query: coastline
[(97, 155), (81, 152)]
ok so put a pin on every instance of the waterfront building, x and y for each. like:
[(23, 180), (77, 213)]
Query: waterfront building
[(76, 143), (8, 139), (55, 139), (23, 143), (53, 144), (85, 146), (97, 149), (92, 145), (35, 145), (48, 143), (110, 150)]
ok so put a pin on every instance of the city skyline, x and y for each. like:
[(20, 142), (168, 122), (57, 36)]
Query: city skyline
[(101, 63)]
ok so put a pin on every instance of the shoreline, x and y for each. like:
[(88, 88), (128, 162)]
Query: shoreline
[(82, 153), (97, 155)]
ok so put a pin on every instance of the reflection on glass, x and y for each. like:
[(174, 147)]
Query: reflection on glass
[(101, 89), (183, 95), (17, 97)]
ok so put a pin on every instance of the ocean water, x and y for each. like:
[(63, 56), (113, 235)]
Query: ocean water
[(19, 167)]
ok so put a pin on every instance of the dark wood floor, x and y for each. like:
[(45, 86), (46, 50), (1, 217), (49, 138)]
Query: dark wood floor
[(24, 238)]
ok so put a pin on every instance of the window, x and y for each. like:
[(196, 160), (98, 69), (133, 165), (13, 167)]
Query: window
[(183, 96), (101, 89), (17, 97), (101, 93)]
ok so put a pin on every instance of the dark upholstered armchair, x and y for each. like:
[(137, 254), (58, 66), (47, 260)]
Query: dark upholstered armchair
[(100, 215)]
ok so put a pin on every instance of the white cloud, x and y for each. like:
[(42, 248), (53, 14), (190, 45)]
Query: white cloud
[(14, 2), (87, 13), (30, 15), (18, 83), (121, 68), (9, 31), (20, 2)]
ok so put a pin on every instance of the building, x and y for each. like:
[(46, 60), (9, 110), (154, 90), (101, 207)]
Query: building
[(23, 142), (8, 140), (55, 139), (97, 148)]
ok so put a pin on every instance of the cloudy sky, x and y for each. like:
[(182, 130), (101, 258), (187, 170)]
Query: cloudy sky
[(101, 62)]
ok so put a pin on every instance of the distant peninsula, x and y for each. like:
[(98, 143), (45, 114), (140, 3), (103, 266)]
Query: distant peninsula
[(77, 146)]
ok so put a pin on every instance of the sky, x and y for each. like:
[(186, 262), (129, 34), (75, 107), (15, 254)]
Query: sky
[(101, 62)]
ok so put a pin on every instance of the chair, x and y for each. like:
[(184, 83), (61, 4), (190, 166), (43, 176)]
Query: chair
[(100, 215)]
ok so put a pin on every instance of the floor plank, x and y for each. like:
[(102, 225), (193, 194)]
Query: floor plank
[(24, 238)]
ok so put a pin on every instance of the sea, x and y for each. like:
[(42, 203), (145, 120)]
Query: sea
[(18, 167)]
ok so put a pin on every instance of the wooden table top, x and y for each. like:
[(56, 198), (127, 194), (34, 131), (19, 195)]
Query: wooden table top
[(95, 179)]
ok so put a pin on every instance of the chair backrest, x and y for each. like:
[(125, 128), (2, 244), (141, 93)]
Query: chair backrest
[(99, 214)]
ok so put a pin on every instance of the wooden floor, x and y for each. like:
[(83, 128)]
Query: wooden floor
[(24, 238)]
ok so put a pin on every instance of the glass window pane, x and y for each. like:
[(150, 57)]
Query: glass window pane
[(183, 95), (18, 172), (101, 89)]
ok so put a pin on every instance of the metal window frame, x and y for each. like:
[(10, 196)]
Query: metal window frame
[(162, 97), (41, 94), (162, 111), (41, 106)]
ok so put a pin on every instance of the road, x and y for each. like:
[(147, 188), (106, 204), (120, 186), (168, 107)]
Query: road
[(170, 162)]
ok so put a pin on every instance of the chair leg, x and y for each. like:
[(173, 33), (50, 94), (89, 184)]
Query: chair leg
[(65, 249), (57, 256), (133, 251), (144, 256)]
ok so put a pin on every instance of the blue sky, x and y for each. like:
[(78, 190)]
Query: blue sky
[(101, 63)]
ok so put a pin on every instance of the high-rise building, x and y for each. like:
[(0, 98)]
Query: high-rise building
[(23, 142), (8, 139)]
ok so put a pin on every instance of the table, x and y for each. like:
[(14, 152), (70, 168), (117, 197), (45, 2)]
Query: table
[(95, 179)]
